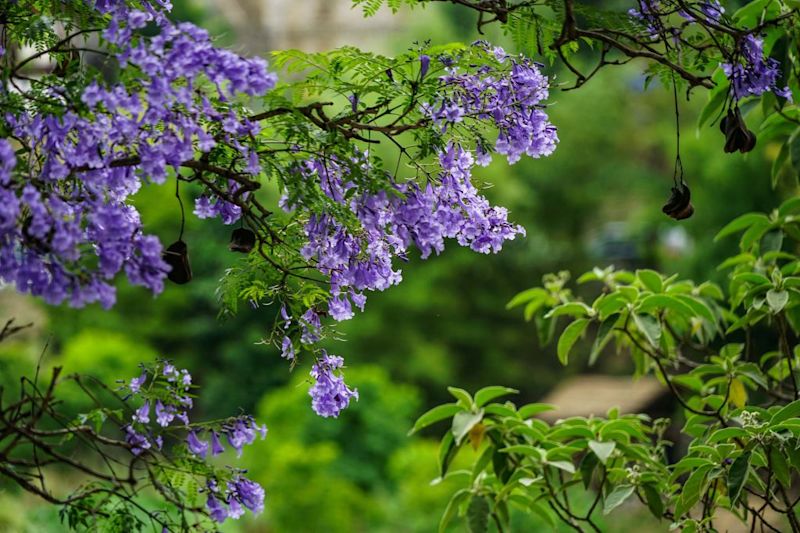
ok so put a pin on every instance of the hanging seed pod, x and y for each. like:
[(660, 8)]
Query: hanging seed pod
[(737, 136), (679, 206), (242, 240), (177, 257)]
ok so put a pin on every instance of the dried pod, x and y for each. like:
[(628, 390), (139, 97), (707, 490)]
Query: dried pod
[(679, 206), (177, 257), (242, 240), (737, 136)]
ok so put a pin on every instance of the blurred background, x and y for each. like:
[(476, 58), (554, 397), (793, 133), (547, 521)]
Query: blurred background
[(596, 201)]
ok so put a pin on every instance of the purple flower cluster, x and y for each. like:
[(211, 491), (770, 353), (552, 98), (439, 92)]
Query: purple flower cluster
[(66, 227), (754, 74), (172, 403), (511, 99), (391, 222), (238, 431), (170, 388), (240, 493), (329, 394)]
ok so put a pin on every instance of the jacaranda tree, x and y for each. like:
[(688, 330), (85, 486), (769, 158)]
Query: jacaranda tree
[(103, 97)]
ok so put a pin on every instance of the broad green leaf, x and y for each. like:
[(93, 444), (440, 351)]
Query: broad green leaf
[(664, 301), (447, 451), (716, 98), (617, 497), (532, 409), (462, 396), (602, 449), (525, 296), (691, 491), (791, 410), (440, 412), (740, 223), (737, 476), (487, 394), (650, 328), (463, 422), (604, 334), (452, 508), (726, 434), (794, 150), (790, 206), (586, 468), (566, 466), (780, 466), (653, 499), (478, 514), (777, 300), (573, 309), (569, 337), (650, 279)]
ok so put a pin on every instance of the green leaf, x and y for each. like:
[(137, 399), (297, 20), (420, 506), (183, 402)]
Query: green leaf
[(777, 300), (487, 394), (447, 451), (651, 280), (791, 410), (740, 223), (440, 412), (462, 396), (663, 301), (737, 475), (573, 309), (569, 337), (586, 468), (452, 508), (566, 466), (780, 467), (692, 489), (778, 164), (478, 514), (526, 296), (604, 334), (602, 449), (653, 499), (716, 98), (794, 150), (650, 328), (463, 422), (533, 409), (617, 497), (726, 434)]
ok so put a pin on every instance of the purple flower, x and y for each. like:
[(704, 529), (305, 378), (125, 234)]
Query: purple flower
[(216, 509), (216, 446), (329, 394), (196, 446), (249, 493), (164, 414), (755, 74), (136, 441), (142, 414), (424, 64), (136, 383), (287, 349)]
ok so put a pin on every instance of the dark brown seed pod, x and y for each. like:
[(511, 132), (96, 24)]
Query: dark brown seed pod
[(679, 206), (242, 240), (177, 257), (737, 136)]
